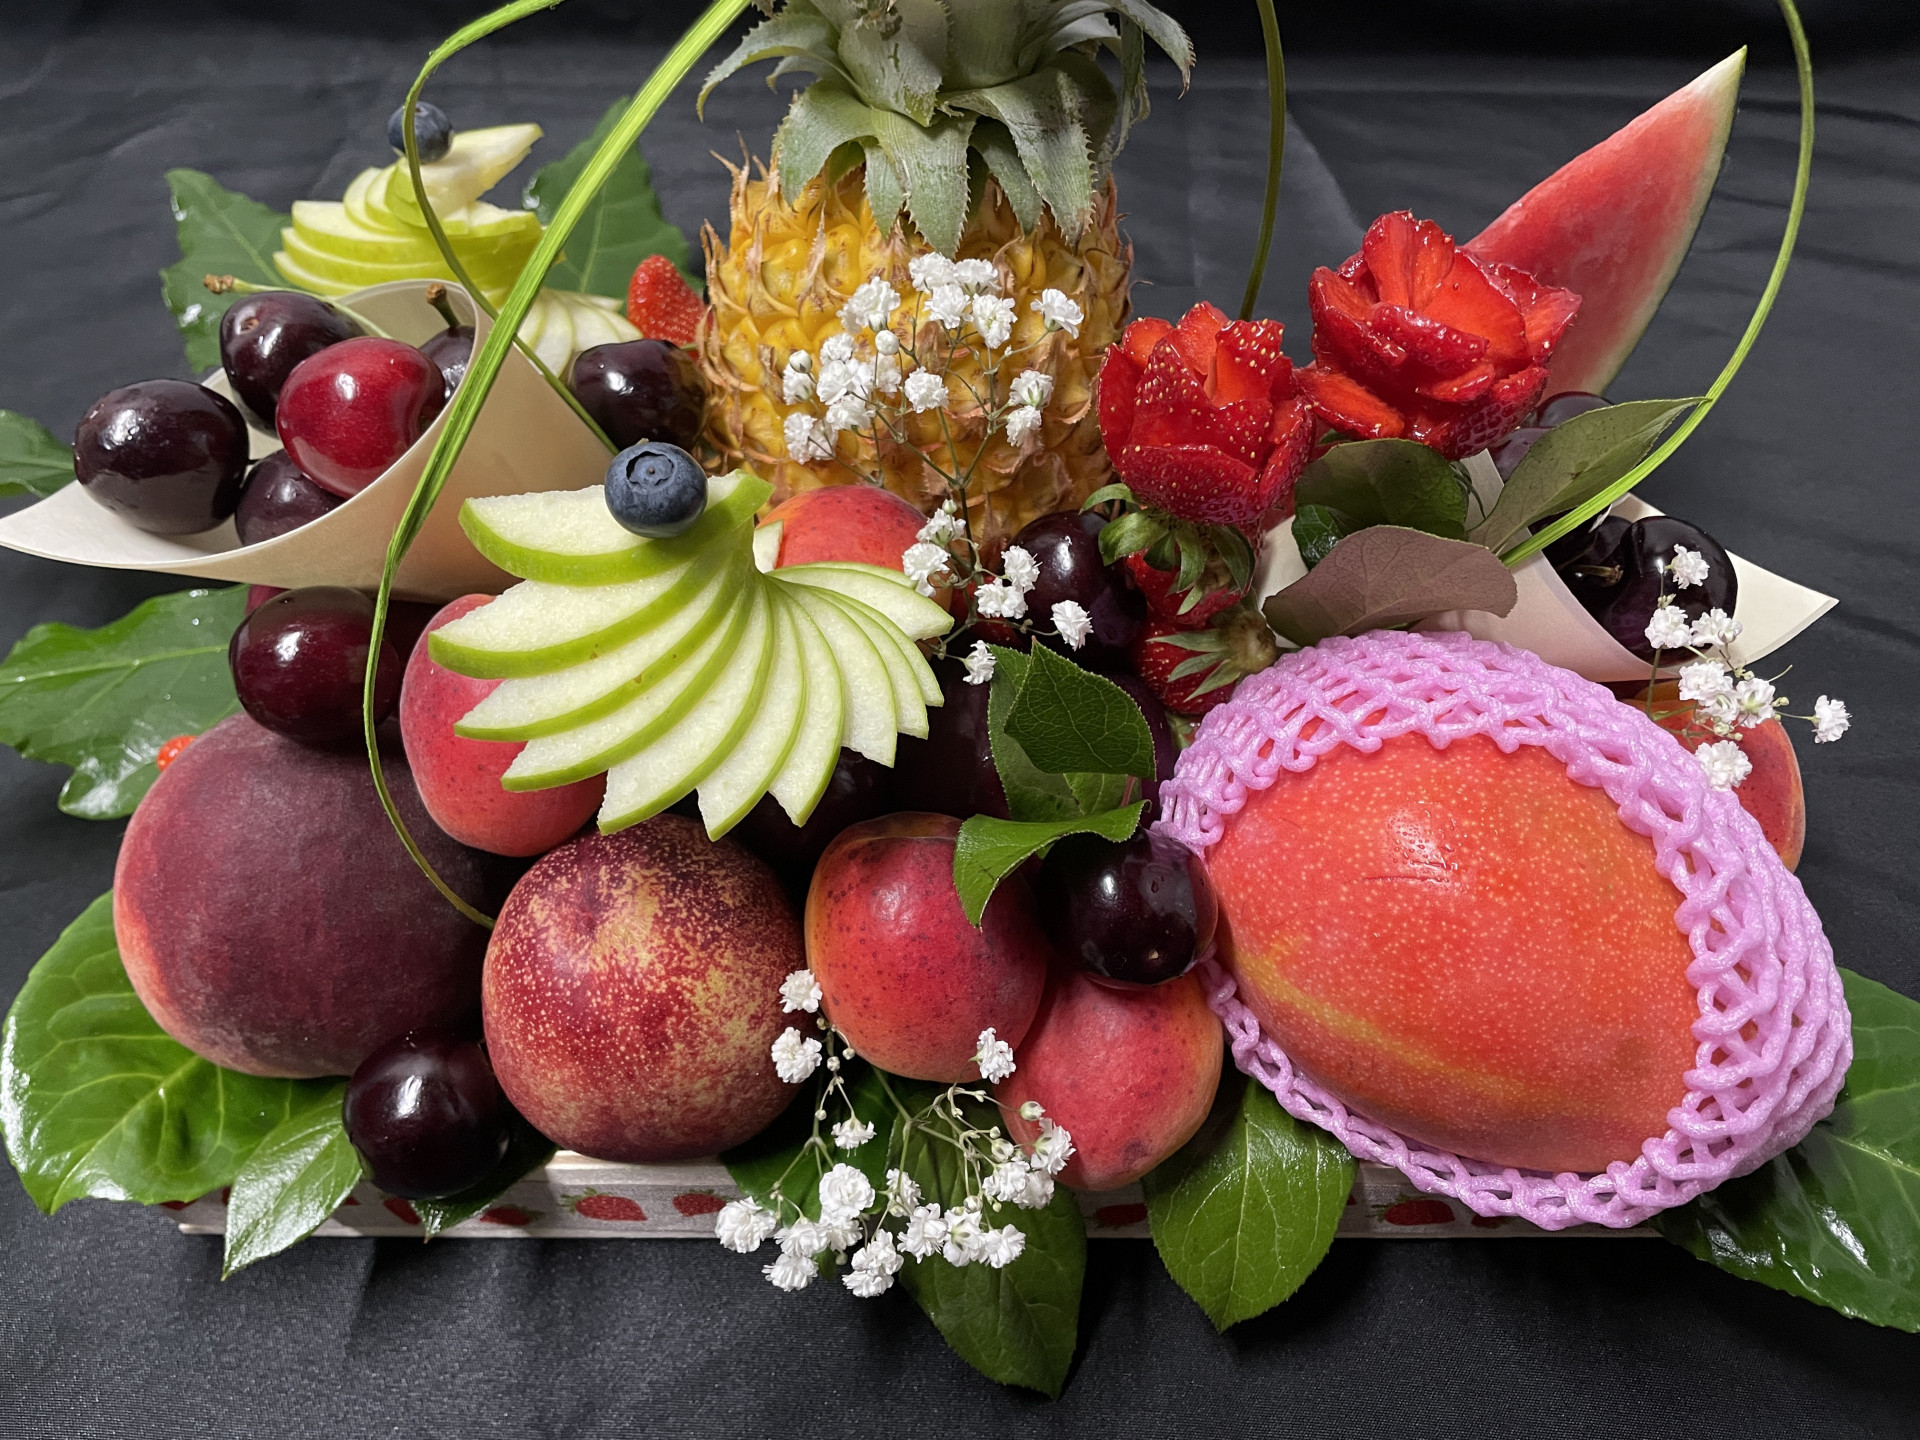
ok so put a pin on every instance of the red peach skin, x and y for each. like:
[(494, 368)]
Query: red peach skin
[(902, 974), (859, 523), (459, 779)]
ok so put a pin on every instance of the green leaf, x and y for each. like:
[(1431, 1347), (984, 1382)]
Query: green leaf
[(1017, 1326), (989, 848), (1068, 720), (1032, 793), (97, 1100), (527, 1150), (220, 232), (1318, 528), (1096, 792), (104, 701), (1575, 461), (1385, 576), (299, 1175), (798, 33), (1044, 112), (1835, 1220), (1244, 1211), (33, 460), (783, 1156), (1131, 533), (621, 226), (1388, 482)]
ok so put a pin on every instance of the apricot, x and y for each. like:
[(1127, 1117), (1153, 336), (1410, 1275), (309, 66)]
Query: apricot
[(1130, 1074), (1465, 945), (459, 779), (271, 920), (632, 993), (902, 974)]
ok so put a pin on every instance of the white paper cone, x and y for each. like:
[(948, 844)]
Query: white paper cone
[(526, 439)]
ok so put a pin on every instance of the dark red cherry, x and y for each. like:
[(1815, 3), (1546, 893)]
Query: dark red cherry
[(427, 1115), (1137, 913), (278, 498), (350, 411), (951, 772), (263, 337), (165, 455), (641, 390), (1066, 546), (299, 661), (1568, 403)]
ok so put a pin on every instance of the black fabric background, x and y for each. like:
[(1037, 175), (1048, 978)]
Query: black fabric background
[(111, 1324)]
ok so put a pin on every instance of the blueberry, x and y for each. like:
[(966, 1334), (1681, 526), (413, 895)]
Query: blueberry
[(656, 490), (431, 129)]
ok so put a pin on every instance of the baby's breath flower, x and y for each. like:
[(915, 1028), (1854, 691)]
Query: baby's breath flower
[(1007, 1181), (993, 318), (1032, 387), (874, 1266), (1000, 601), (1688, 567), (886, 343), (994, 1057), (942, 527), (867, 1284), (1038, 1193), (1704, 680), (804, 1237), (743, 1226), (930, 271), (980, 663), (926, 391), (1001, 1247), (963, 1237), (800, 991), (1023, 422), (1073, 622), (976, 276), (794, 1058), (925, 1232), (870, 307), (1032, 1110), (1725, 762), (1712, 629), (849, 412), (886, 373), (1022, 570), (796, 381), (1052, 1149), (921, 561), (948, 305), (852, 1134), (1668, 629), (807, 439), (1830, 720), (902, 1193), (836, 347), (1059, 312), (841, 378), (1753, 702), (791, 1272), (844, 1191)]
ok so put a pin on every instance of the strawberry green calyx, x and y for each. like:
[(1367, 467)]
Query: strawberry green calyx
[(936, 97)]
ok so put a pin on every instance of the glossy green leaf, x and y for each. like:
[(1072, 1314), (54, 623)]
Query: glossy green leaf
[(1575, 461), (1245, 1210), (1070, 720), (220, 232), (1032, 793), (1835, 1220), (527, 1151), (33, 460), (299, 1175), (781, 1156), (988, 848), (1318, 528), (1018, 1325), (97, 1100), (1388, 482), (622, 225), (1386, 576), (104, 701)]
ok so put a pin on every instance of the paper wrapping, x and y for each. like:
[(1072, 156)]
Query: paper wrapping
[(527, 438)]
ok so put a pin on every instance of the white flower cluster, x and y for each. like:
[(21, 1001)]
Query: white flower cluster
[(1726, 698)]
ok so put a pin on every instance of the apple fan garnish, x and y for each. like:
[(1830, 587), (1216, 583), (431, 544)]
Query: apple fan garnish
[(675, 664)]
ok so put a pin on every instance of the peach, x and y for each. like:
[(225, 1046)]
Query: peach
[(857, 522), (902, 974), (1129, 1074), (632, 993), (1465, 945), (459, 779), (271, 920)]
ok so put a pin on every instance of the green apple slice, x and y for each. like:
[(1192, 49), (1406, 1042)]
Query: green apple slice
[(909, 709), (315, 281), (394, 264), (356, 206), (816, 748), (567, 537), (878, 627), (328, 226), (878, 588), (766, 544), (554, 345), (736, 784), (548, 704), (650, 779), (603, 742), (475, 162), (871, 723)]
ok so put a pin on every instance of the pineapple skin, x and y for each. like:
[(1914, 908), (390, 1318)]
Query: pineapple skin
[(777, 284)]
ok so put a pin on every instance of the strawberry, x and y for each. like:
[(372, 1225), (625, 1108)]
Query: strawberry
[(1215, 592), (170, 751), (661, 304), (1191, 671)]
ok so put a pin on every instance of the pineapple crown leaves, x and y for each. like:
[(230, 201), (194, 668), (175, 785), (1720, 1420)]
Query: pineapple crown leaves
[(936, 95)]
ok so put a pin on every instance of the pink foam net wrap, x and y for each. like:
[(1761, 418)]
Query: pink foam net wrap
[(1773, 1035)]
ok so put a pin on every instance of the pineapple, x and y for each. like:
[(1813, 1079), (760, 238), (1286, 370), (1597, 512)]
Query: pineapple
[(972, 128)]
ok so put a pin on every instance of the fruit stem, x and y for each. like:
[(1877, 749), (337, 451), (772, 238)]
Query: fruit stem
[(436, 296), (1276, 150), (484, 368), (234, 285), (1803, 171)]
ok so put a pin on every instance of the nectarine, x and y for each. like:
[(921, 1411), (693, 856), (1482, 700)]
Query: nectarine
[(860, 523)]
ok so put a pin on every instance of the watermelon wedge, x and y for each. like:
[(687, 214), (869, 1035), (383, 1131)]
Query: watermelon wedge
[(1615, 223)]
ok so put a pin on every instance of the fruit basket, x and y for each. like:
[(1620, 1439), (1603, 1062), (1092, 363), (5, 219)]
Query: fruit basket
[(899, 764)]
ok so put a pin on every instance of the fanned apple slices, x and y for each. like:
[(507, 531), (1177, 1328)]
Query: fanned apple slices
[(677, 665)]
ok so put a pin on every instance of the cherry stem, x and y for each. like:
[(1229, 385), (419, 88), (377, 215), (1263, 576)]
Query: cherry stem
[(436, 296)]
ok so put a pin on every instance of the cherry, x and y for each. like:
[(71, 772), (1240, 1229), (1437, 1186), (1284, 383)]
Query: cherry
[(1619, 573), (263, 337), (1166, 750), (1568, 403), (350, 411), (1066, 546), (300, 659), (278, 498), (641, 390), (1588, 560), (1137, 913), (859, 790), (1508, 454), (452, 351), (427, 1115), (165, 455), (951, 772)]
